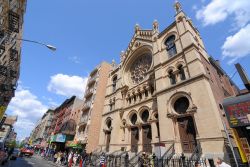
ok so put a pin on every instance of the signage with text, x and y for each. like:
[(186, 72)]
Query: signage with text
[(237, 110)]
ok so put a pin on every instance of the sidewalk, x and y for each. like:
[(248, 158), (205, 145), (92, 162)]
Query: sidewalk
[(51, 162)]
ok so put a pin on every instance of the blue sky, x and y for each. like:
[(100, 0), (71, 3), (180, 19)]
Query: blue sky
[(88, 32)]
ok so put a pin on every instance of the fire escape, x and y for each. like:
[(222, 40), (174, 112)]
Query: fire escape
[(9, 70)]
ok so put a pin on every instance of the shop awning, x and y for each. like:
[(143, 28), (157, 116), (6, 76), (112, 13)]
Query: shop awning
[(73, 144), (60, 138)]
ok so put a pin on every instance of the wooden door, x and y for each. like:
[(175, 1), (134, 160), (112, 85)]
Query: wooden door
[(108, 137), (187, 134), (134, 139), (146, 138)]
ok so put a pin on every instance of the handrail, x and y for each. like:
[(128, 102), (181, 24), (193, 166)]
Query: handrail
[(123, 152), (168, 150), (134, 159), (197, 152)]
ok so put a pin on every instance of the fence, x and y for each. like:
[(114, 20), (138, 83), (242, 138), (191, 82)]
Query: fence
[(142, 161)]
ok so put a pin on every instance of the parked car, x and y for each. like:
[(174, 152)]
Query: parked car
[(15, 154), (3, 154), (26, 152)]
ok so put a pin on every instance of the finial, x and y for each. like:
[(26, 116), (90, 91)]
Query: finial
[(113, 62), (155, 25), (122, 56), (177, 6), (137, 27)]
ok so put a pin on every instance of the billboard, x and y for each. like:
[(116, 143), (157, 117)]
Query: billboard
[(237, 110)]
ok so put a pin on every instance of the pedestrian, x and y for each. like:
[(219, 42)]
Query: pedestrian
[(59, 156), (83, 159), (55, 157), (197, 164), (220, 163), (102, 160), (75, 157), (65, 155), (70, 159)]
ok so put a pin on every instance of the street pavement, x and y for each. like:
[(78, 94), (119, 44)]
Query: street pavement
[(34, 161)]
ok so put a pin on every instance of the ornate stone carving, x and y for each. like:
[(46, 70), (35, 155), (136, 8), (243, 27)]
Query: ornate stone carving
[(140, 68), (177, 6)]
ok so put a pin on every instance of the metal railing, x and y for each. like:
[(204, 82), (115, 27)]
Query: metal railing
[(139, 160), (196, 153), (168, 154)]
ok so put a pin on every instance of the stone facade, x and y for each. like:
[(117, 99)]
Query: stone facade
[(166, 90), (89, 125)]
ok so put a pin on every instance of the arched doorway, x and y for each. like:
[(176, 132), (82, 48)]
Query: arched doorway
[(146, 138), (108, 134), (186, 125), (134, 134), (146, 133), (187, 134)]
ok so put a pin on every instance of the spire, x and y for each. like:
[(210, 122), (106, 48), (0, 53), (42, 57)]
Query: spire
[(177, 6)]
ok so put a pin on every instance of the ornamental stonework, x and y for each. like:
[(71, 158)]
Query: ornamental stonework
[(140, 67)]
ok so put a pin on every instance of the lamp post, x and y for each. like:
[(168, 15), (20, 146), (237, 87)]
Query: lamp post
[(53, 48)]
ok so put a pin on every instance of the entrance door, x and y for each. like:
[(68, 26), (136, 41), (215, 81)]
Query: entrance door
[(134, 139), (108, 136), (187, 134), (146, 139)]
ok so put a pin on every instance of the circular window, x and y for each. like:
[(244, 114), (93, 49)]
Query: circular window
[(181, 105), (134, 119), (140, 67), (145, 115)]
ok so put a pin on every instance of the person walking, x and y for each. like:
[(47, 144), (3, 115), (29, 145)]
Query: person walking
[(55, 157), (70, 159), (59, 156), (102, 160), (82, 159), (220, 163)]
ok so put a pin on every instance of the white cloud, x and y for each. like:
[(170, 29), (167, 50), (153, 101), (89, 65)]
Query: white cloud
[(75, 59), (219, 10), (67, 85), (28, 108), (237, 45)]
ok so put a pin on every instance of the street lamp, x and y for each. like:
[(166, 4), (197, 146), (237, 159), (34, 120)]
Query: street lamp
[(53, 48)]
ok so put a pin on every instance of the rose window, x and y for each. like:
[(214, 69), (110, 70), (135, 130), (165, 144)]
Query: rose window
[(140, 67)]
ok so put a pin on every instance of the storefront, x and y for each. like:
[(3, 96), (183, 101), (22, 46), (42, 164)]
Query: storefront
[(58, 141), (237, 111)]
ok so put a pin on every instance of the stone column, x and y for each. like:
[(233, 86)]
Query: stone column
[(155, 137)]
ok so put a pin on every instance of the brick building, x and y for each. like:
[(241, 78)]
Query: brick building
[(89, 125), (11, 29)]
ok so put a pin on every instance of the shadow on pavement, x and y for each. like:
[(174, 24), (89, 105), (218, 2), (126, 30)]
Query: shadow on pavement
[(19, 162)]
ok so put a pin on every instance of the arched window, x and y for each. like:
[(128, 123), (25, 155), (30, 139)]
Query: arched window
[(181, 72), (109, 123), (114, 83), (133, 118), (170, 43), (172, 77), (145, 115)]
